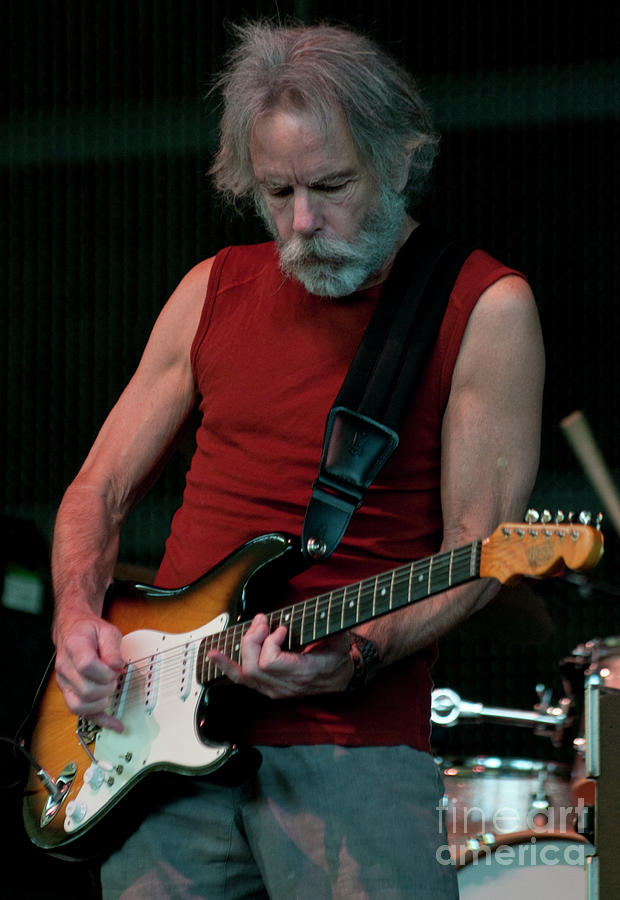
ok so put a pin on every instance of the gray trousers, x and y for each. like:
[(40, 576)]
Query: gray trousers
[(314, 822)]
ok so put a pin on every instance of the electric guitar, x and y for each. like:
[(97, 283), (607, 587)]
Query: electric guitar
[(79, 771)]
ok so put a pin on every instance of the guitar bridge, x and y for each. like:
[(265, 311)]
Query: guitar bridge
[(86, 731)]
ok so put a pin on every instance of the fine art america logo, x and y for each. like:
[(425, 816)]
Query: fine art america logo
[(508, 840)]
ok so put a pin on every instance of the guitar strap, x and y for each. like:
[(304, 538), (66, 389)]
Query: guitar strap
[(361, 431)]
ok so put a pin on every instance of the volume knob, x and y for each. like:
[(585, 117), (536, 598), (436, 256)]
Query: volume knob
[(76, 810), (94, 776)]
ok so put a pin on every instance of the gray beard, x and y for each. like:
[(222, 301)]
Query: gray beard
[(332, 267)]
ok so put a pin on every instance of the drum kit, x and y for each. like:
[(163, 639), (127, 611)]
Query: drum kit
[(523, 825), (516, 825)]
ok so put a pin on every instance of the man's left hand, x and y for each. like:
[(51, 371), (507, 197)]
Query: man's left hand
[(321, 668)]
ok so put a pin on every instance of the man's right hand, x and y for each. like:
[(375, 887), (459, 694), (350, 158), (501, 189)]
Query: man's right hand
[(88, 662), (134, 440)]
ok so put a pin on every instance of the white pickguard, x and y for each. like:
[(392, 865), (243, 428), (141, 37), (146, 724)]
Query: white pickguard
[(157, 705)]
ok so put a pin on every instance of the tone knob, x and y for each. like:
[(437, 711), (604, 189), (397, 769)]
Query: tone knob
[(94, 776)]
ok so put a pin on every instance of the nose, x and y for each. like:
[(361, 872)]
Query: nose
[(306, 215)]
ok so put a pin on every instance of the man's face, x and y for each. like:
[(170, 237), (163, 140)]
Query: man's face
[(335, 227)]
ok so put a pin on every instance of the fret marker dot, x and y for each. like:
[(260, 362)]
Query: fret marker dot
[(322, 615), (351, 604), (420, 577), (383, 592), (287, 617), (237, 646)]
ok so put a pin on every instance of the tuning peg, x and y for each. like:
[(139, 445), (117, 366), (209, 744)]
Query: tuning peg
[(570, 517), (531, 517), (599, 521), (559, 517), (545, 517), (585, 517)]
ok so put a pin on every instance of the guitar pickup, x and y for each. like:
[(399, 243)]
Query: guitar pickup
[(151, 682), (186, 670)]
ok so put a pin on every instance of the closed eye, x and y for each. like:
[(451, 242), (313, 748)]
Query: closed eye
[(329, 188), (279, 192)]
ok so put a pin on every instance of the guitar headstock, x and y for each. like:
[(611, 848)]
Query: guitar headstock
[(541, 546)]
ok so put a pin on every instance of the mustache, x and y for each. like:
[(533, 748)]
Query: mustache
[(332, 266), (319, 249)]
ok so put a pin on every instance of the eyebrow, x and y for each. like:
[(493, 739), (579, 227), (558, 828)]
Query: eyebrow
[(329, 178)]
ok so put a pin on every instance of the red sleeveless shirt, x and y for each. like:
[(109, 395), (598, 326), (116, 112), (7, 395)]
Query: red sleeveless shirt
[(268, 360)]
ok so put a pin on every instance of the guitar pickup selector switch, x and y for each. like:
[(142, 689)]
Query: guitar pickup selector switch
[(76, 811)]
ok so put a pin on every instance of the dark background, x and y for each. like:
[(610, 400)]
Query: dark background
[(106, 138)]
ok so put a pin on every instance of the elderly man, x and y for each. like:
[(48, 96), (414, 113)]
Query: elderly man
[(329, 139)]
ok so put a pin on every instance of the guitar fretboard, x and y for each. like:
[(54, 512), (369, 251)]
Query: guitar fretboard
[(316, 618)]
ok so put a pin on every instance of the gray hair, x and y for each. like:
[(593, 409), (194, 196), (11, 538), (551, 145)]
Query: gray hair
[(320, 68)]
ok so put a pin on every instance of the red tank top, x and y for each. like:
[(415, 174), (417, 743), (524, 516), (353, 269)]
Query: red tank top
[(268, 360)]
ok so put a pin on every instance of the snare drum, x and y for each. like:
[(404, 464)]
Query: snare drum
[(510, 827), (487, 794)]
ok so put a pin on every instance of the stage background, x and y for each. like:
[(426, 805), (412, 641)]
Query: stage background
[(106, 138)]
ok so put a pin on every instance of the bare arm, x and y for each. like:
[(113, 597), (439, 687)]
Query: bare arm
[(490, 450), (133, 441)]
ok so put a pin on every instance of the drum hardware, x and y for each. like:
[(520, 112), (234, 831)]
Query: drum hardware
[(586, 822), (598, 656), (602, 723), (512, 822), (592, 723), (575, 860), (548, 720), (480, 842), (591, 667), (592, 674)]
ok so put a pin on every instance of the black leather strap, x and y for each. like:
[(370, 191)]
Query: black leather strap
[(362, 427), (354, 450)]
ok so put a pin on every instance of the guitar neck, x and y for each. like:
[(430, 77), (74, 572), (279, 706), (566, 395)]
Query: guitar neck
[(343, 608)]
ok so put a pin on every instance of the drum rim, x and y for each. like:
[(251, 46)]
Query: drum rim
[(512, 766), (491, 841)]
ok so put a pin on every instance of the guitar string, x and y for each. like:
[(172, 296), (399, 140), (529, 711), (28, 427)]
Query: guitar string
[(459, 559), (360, 597), (364, 608)]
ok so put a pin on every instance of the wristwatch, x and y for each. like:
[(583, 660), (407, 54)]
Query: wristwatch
[(365, 658)]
